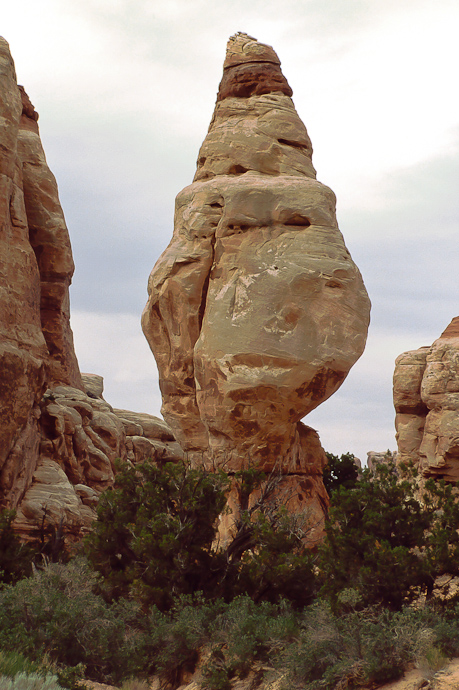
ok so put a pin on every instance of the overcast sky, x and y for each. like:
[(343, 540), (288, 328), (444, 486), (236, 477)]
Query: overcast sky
[(125, 90)]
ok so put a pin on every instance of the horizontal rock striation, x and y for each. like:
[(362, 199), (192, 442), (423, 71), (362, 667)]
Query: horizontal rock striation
[(426, 400), (59, 438), (256, 311)]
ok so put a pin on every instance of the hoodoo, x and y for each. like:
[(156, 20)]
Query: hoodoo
[(256, 311)]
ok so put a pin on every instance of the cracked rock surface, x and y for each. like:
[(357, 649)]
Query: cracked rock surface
[(256, 311)]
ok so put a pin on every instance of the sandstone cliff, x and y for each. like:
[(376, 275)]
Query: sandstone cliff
[(256, 311), (426, 399), (58, 437)]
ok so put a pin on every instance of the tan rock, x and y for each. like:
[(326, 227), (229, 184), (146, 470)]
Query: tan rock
[(59, 438), (36, 345), (426, 398), (50, 241), (83, 435), (23, 350), (141, 449), (256, 311), (52, 500), (375, 458), (93, 385), (151, 426)]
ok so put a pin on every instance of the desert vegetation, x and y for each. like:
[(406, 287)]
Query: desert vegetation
[(153, 590)]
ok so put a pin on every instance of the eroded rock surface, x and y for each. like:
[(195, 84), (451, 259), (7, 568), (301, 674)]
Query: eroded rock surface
[(256, 311), (426, 399), (24, 354), (81, 436), (59, 438)]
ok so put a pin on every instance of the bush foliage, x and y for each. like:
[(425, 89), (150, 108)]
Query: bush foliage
[(388, 539), (158, 587), (156, 538)]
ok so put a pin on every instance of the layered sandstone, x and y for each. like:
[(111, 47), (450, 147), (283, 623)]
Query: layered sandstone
[(59, 438), (426, 399), (81, 437), (24, 354), (256, 311)]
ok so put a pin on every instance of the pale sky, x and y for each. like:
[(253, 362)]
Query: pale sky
[(125, 90)]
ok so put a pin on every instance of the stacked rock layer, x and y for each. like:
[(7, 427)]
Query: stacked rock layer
[(256, 311), (58, 437), (426, 399)]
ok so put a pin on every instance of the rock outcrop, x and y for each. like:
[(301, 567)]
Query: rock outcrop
[(24, 353), (81, 436), (58, 437), (426, 399), (256, 311)]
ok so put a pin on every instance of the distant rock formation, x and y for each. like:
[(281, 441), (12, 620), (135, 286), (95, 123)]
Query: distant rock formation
[(375, 458), (58, 437), (256, 311), (426, 399)]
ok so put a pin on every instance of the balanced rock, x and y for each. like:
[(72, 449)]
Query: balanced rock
[(426, 399), (256, 311)]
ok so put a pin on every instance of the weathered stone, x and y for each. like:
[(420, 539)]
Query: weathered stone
[(59, 438), (23, 351), (52, 500), (83, 439), (152, 427), (256, 311), (141, 449), (93, 385), (50, 241), (426, 399), (375, 458), (36, 347)]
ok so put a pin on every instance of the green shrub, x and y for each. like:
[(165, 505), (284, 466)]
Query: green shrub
[(357, 647), (154, 532), (245, 633), (30, 681), (13, 662), (386, 541), (340, 471), (155, 538), (15, 557), (55, 612)]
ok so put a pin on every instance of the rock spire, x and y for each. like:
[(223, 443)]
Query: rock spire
[(256, 311)]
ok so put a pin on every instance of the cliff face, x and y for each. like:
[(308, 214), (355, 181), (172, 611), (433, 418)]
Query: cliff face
[(24, 355), (426, 399), (58, 437), (256, 311)]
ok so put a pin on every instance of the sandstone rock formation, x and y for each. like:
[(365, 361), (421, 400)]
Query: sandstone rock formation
[(81, 436), (58, 437), (426, 399), (256, 311), (24, 354), (375, 458)]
